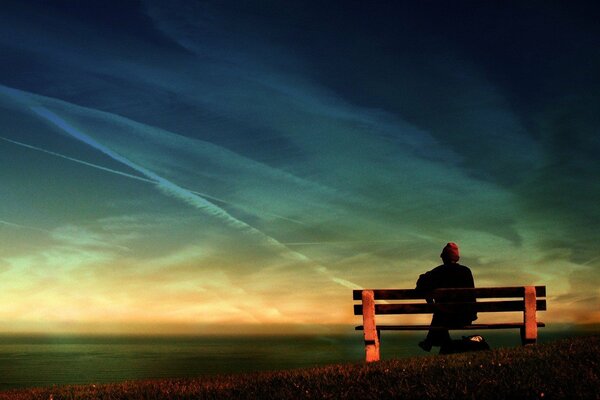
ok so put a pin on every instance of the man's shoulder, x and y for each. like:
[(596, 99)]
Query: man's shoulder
[(463, 267), (438, 268), (451, 267)]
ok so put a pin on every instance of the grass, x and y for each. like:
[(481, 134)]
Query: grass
[(567, 368)]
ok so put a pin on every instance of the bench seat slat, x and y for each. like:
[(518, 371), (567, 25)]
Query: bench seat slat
[(412, 294), (467, 327), (428, 308)]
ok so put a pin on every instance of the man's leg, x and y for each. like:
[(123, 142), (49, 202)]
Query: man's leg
[(436, 337)]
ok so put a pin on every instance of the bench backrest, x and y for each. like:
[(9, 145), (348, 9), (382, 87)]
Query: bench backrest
[(490, 294)]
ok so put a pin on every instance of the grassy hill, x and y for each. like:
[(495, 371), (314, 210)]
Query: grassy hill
[(567, 368)]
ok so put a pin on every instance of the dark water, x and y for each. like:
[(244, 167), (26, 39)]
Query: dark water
[(27, 361)]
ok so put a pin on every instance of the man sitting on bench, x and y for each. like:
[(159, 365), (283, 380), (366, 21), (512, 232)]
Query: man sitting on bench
[(449, 275)]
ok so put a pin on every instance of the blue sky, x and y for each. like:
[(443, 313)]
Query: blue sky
[(187, 166)]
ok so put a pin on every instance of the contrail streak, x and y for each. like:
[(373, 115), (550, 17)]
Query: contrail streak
[(165, 185), (77, 160), (183, 194), (139, 178)]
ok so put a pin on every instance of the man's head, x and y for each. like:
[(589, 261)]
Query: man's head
[(450, 253)]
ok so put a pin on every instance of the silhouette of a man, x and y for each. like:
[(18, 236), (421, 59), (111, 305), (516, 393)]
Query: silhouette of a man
[(448, 275)]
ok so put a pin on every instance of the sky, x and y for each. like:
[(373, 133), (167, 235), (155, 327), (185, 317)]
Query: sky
[(209, 166)]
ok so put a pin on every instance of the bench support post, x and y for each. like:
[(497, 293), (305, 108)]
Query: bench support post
[(369, 327), (529, 329)]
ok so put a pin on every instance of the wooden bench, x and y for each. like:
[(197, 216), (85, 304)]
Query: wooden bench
[(523, 298)]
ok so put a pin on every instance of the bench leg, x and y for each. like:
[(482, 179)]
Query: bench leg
[(525, 340), (529, 329), (370, 330)]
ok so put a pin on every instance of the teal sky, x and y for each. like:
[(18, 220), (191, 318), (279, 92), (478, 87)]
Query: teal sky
[(192, 166)]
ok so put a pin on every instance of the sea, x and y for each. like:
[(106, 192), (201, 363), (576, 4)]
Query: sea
[(46, 360)]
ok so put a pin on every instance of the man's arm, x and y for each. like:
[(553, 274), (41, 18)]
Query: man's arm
[(424, 284), (469, 283)]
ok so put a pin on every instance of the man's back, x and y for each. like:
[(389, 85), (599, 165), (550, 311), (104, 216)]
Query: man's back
[(446, 276), (450, 275)]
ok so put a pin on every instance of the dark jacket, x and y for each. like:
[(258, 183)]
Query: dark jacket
[(450, 276)]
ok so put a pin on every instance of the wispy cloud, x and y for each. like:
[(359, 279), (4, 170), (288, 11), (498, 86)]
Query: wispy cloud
[(20, 226)]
